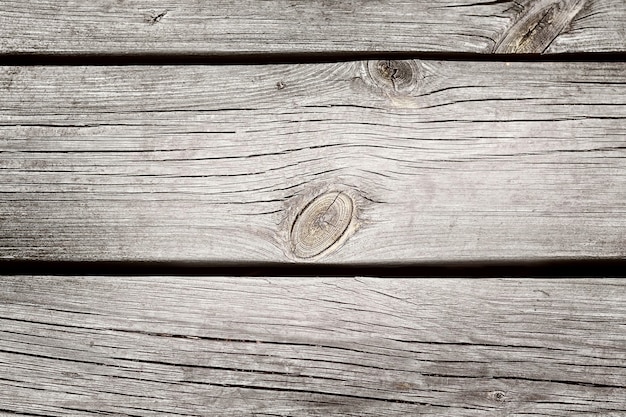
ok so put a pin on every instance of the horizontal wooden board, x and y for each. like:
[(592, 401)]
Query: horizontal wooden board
[(227, 27), (357, 162), (306, 347)]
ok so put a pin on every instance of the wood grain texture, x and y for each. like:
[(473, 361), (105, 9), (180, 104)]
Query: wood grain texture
[(434, 161), (307, 347), (226, 27)]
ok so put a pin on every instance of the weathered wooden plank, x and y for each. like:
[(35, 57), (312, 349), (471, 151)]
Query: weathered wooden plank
[(301, 347), (226, 27), (413, 160)]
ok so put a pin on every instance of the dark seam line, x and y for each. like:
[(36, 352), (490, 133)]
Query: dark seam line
[(533, 269), (121, 59)]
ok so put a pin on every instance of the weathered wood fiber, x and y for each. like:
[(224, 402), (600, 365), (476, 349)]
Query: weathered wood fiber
[(319, 26), (406, 161), (308, 347)]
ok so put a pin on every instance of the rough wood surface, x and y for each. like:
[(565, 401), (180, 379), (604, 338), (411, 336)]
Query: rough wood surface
[(307, 347), (380, 161), (318, 26)]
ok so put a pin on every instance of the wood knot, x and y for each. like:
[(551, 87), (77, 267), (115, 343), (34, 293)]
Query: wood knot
[(153, 17), (499, 396), (393, 75), (322, 225), (537, 25)]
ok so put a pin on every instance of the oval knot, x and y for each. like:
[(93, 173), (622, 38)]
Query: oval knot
[(394, 75), (321, 224)]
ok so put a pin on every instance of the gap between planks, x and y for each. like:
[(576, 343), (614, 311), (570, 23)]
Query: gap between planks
[(177, 59), (569, 268)]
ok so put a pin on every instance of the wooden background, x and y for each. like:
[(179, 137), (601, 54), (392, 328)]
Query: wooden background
[(173, 176)]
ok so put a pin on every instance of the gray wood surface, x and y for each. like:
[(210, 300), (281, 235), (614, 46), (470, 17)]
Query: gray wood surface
[(380, 161), (320, 26), (305, 347)]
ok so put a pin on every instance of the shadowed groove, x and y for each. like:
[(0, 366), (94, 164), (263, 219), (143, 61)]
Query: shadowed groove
[(172, 59), (518, 268)]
